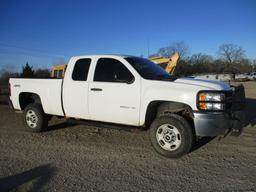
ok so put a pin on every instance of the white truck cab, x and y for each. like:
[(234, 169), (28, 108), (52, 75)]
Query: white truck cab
[(133, 91)]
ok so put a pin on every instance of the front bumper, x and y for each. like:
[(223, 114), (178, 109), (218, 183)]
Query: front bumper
[(220, 123), (214, 124)]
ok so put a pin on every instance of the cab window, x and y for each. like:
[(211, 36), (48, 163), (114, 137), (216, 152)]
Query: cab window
[(112, 70), (81, 69)]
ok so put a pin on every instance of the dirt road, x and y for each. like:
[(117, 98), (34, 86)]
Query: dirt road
[(80, 158)]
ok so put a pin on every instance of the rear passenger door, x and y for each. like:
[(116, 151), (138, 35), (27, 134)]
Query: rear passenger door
[(75, 89), (114, 93)]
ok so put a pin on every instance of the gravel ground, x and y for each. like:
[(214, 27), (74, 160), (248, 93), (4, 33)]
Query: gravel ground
[(85, 158)]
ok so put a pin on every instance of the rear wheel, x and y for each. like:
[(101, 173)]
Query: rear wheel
[(171, 136), (34, 118)]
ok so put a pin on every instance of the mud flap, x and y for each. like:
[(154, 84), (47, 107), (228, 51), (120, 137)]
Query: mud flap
[(238, 98), (237, 113), (238, 123)]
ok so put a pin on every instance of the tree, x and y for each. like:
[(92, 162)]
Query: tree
[(231, 53), (254, 65), (27, 71), (200, 58), (201, 63), (5, 76), (184, 68), (254, 62), (218, 66), (245, 65), (179, 47), (42, 73), (10, 68)]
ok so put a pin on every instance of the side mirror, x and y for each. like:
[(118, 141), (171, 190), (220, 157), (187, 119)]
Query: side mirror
[(129, 79)]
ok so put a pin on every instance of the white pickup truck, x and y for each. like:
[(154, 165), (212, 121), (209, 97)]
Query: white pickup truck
[(133, 91)]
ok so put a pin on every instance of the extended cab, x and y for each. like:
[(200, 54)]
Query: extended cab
[(133, 91)]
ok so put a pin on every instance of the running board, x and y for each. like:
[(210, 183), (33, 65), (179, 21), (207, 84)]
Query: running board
[(101, 125)]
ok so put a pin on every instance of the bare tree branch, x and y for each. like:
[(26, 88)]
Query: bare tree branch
[(231, 53), (179, 47)]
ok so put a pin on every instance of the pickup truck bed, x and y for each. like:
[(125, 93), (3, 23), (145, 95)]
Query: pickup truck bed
[(49, 90)]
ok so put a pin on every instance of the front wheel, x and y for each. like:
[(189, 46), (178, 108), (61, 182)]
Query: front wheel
[(171, 136), (34, 118)]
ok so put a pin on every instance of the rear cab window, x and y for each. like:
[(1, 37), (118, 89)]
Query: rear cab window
[(81, 69)]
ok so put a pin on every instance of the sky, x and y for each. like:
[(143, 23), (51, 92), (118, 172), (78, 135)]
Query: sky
[(48, 32)]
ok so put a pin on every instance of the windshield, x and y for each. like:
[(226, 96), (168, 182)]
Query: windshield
[(149, 70)]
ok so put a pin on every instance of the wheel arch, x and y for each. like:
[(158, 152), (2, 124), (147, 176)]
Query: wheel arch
[(160, 107), (26, 98)]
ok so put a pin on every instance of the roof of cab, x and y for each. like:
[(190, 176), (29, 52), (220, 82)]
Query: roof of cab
[(104, 55)]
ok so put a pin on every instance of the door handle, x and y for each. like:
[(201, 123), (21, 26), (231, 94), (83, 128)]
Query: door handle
[(96, 89)]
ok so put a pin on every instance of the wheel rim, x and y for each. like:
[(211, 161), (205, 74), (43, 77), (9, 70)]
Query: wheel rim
[(168, 137), (31, 119)]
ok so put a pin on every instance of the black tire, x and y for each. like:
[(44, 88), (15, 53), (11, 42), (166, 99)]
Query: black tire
[(34, 115), (185, 136)]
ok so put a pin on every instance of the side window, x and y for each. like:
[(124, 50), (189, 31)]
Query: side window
[(81, 68), (112, 70)]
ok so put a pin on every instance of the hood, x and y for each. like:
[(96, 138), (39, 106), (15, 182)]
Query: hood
[(209, 84)]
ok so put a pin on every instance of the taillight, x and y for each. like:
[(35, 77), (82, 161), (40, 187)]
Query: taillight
[(9, 89)]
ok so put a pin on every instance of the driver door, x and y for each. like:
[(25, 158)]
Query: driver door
[(114, 93)]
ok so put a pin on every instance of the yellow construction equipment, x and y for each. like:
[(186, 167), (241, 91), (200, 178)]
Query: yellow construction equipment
[(169, 64), (58, 71)]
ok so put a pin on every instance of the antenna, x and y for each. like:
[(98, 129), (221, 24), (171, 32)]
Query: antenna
[(148, 44)]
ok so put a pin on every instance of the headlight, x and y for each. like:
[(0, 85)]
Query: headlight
[(211, 101)]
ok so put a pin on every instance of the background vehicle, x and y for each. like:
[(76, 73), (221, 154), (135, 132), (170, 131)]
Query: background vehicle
[(136, 92), (252, 76)]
